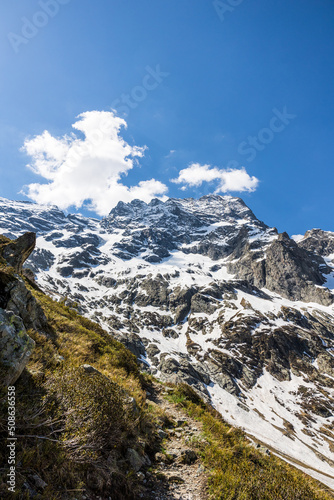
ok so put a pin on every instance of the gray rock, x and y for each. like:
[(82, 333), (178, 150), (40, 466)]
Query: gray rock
[(318, 242), (179, 302), (15, 346), (152, 350), (162, 434), (203, 304), (287, 269), (137, 461), (91, 370), (132, 404), (22, 303), (188, 457), (40, 260), (155, 292), (183, 372), (16, 252), (132, 341)]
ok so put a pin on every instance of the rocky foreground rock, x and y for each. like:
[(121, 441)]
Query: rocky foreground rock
[(19, 310)]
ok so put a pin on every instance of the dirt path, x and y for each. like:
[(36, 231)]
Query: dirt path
[(182, 475)]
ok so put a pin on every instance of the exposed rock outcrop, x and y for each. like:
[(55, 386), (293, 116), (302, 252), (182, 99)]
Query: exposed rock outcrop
[(15, 347), (19, 310), (16, 252), (286, 269), (22, 303), (319, 242)]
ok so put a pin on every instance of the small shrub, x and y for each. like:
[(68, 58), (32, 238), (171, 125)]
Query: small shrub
[(91, 410)]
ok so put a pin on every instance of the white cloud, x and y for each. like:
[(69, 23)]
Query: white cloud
[(228, 179), (88, 169)]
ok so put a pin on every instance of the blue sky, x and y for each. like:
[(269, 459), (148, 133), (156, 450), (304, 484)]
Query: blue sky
[(226, 75)]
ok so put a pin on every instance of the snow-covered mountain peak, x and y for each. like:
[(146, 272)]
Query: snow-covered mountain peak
[(207, 226), (203, 292), (184, 212)]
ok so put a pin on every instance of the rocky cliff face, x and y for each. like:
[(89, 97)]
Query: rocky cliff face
[(19, 311), (285, 268), (203, 292)]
